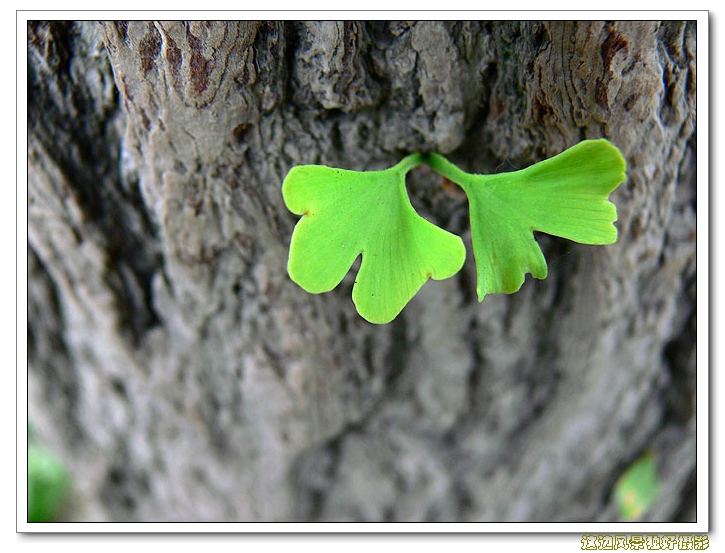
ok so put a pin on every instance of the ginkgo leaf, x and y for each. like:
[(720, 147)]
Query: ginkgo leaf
[(565, 196), (349, 213)]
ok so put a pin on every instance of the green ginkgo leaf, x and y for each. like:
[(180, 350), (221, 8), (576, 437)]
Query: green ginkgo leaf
[(349, 213), (565, 196)]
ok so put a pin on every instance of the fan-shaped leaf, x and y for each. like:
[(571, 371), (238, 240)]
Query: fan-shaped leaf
[(564, 196), (349, 213)]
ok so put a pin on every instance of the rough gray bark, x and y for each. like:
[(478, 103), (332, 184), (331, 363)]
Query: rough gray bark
[(182, 376)]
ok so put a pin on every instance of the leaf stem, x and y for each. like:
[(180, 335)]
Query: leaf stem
[(410, 162), (445, 168)]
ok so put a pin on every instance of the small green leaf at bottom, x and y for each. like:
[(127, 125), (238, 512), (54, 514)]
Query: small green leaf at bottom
[(48, 484), (637, 489)]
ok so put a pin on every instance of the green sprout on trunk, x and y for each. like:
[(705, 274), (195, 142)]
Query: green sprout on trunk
[(346, 214)]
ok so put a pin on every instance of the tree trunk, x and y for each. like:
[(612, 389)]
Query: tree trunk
[(181, 375)]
